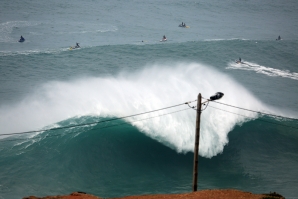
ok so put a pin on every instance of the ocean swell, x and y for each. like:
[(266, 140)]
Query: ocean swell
[(154, 87)]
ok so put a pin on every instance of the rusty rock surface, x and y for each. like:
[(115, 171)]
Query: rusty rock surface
[(204, 194)]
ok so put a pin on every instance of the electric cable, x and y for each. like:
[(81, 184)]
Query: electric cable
[(205, 105), (259, 112), (255, 118), (123, 123), (86, 124)]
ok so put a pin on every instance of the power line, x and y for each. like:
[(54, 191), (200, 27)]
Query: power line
[(255, 118), (123, 123), (259, 112), (87, 124), (193, 107)]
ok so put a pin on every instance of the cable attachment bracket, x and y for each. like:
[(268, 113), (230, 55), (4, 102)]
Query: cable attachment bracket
[(192, 107)]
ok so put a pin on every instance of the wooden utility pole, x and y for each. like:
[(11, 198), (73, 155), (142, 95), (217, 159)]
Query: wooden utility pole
[(197, 141)]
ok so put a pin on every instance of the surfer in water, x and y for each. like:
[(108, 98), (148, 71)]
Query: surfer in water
[(77, 45), (279, 38)]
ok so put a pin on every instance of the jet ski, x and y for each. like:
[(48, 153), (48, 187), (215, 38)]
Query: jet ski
[(183, 26), (73, 47), (163, 39), (239, 62), (22, 40)]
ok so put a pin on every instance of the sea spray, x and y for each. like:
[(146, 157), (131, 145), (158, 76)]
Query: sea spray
[(152, 88)]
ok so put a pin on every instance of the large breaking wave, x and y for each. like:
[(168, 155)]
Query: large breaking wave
[(156, 86)]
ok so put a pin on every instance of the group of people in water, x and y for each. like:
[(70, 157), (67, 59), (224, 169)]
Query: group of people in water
[(240, 62), (22, 39), (164, 38), (180, 25)]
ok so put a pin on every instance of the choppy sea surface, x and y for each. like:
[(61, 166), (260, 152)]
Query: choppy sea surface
[(110, 119)]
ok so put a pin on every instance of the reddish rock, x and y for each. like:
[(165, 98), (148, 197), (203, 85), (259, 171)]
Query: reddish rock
[(205, 194), (74, 195)]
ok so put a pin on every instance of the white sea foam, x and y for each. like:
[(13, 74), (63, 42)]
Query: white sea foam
[(153, 88), (263, 69)]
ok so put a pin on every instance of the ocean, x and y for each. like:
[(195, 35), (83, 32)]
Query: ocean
[(110, 119)]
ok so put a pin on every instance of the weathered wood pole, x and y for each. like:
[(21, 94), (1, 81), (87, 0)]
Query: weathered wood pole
[(197, 141)]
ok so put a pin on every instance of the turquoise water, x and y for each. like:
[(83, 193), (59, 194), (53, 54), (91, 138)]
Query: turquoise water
[(123, 69)]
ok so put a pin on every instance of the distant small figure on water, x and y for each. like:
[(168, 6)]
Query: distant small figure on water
[(74, 47), (22, 39), (163, 39), (182, 25), (239, 61)]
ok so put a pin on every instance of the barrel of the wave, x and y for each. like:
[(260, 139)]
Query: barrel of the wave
[(196, 149)]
